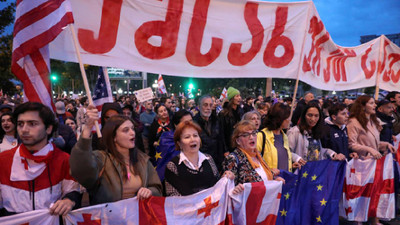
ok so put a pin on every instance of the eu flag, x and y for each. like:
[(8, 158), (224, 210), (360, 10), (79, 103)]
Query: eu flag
[(165, 151), (312, 196)]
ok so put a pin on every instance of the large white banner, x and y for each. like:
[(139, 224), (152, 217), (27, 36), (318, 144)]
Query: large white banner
[(225, 38)]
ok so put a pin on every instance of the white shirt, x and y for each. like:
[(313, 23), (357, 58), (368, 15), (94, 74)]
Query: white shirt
[(184, 159), (261, 172), (8, 143)]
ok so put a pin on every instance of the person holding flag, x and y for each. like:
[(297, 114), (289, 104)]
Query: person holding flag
[(363, 131), (119, 173)]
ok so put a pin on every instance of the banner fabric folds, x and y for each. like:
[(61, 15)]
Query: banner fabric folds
[(368, 190), (225, 39), (312, 196)]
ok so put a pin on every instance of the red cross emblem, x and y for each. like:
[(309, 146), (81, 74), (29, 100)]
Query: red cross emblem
[(352, 170), (87, 220), (207, 209), (348, 210)]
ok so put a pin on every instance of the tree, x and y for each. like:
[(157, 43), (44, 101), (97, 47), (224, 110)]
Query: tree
[(6, 19)]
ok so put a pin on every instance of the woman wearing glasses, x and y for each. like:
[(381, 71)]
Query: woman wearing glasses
[(245, 162)]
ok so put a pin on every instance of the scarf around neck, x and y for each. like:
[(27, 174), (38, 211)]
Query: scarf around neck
[(27, 166), (254, 165)]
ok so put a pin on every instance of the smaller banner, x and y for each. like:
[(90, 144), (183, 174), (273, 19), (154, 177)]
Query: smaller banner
[(143, 95)]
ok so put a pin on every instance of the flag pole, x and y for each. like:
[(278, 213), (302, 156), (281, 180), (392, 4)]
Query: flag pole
[(294, 97), (379, 68), (83, 73)]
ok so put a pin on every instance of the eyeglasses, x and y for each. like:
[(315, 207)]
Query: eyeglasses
[(247, 134)]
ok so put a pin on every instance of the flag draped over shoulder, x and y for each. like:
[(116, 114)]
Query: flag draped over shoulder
[(312, 196), (37, 23), (369, 189), (102, 91)]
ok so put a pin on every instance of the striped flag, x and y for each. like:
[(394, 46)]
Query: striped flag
[(102, 91), (368, 190), (223, 94), (257, 204), (37, 23), (161, 85)]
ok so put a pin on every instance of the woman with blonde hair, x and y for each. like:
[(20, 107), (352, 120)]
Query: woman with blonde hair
[(245, 162)]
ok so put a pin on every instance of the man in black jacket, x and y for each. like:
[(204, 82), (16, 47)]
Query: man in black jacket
[(384, 112), (211, 139)]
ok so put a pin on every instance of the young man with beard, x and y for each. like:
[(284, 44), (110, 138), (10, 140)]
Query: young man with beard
[(210, 136), (35, 174), (336, 137)]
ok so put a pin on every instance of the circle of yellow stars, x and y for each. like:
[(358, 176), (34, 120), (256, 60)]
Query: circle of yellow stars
[(319, 187)]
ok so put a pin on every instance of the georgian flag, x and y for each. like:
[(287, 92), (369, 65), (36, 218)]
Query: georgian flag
[(161, 85), (206, 207), (258, 203), (223, 94), (368, 189)]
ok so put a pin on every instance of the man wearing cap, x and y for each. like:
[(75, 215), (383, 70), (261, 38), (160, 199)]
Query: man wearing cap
[(5, 108), (61, 113), (384, 112), (394, 97), (229, 116)]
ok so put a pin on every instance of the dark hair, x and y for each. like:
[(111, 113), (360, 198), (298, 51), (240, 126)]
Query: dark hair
[(2, 132), (327, 104), (357, 111), (109, 132), (276, 115), (176, 118), (336, 108), (83, 100), (317, 130), (45, 114), (163, 100), (71, 118), (391, 94), (181, 127), (158, 106)]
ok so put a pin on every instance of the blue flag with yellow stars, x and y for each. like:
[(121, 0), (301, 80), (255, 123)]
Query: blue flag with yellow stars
[(165, 151), (312, 196)]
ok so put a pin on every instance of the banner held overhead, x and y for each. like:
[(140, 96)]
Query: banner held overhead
[(225, 39)]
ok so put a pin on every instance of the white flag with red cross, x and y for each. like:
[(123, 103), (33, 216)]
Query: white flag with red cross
[(258, 203), (161, 85), (368, 189), (223, 94), (206, 207)]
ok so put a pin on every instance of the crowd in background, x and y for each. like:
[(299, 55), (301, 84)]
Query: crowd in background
[(173, 146)]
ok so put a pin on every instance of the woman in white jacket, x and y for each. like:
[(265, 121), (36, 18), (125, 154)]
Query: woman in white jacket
[(304, 138)]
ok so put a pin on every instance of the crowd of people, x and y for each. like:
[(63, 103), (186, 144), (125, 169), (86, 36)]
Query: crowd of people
[(176, 147)]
